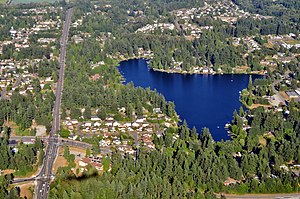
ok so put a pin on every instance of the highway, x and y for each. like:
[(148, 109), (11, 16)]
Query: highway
[(45, 175)]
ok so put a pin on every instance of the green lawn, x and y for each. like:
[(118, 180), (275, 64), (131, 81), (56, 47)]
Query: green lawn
[(2, 1)]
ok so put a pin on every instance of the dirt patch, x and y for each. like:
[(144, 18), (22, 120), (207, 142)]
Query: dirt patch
[(268, 45), (253, 106), (77, 167), (7, 171), (25, 190), (78, 150), (40, 130), (262, 141), (59, 162), (284, 95), (13, 127)]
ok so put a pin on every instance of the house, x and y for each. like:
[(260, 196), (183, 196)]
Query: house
[(97, 124), (88, 124), (97, 166), (135, 124), (205, 70), (84, 162), (141, 120), (292, 94), (284, 167), (74, 121), (115, 124), (230, 181), (109, 124), (95, 118)]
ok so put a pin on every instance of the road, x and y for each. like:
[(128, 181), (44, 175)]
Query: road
[(276, 92), (3, 93), (44, 177), (264, 196), (59, 141), (178, 26)]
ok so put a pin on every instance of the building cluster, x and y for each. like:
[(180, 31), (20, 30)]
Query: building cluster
[(251, 44), (15, 74), (20, 38), (150, 28), (96, 162), (286, 41), (12, 81), (224, 10), (120, 135)]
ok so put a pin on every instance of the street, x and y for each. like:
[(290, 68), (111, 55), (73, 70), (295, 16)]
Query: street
[(45, 175)]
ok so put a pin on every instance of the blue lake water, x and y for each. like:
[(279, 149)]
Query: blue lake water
[(202, 100)]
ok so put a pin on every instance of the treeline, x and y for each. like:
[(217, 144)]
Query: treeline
[(32, 52), (22, 159), (5, 191), (212, 49), (191, 166), (24, 109), (100, 87), (45, 68), (250, 26), (281, 8)]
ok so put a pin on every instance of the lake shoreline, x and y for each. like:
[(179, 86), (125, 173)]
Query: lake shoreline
[(121, 59), (201, 100)]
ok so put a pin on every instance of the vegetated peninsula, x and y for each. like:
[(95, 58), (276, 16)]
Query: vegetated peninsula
[(122, 141)]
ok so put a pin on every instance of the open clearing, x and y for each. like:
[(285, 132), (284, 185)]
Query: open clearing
[(24, 190), (59, 162)]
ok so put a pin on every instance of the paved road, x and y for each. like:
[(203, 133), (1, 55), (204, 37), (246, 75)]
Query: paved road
[(44, 177), (265, 196), (3, 93), (276, 92), (178, 26), (59, 141)]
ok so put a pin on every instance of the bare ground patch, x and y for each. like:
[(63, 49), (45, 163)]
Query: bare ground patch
[(25, 190), (59, 162)]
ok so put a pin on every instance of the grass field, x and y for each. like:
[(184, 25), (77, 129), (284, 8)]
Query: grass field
[(2, 1), (293, 42), (31, 1)]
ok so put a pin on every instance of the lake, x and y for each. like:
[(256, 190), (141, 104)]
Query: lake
[(202, 100)]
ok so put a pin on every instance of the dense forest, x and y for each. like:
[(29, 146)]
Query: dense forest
[(104, 93), (23, 160), (185, 163), (190, 165), (171, 51), (24, 109), (280, 8)]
